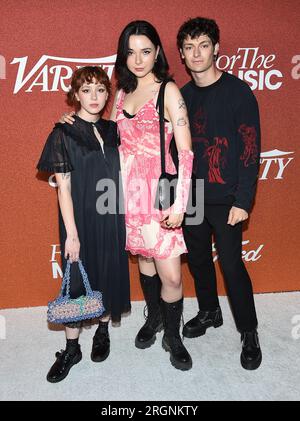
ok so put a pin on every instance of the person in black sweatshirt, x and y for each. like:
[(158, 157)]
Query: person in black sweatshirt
[(225, 128)]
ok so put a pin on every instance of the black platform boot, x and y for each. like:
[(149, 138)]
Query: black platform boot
[(204, 319), (101, 343), (251, 355), (63, 364), (171, 342), (151, 286)]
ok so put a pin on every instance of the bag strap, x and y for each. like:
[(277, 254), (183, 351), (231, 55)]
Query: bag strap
[(85, 278), (161, 112), (66, 280)]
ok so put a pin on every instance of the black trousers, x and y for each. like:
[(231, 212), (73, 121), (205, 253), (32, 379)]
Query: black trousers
[(228, 239)]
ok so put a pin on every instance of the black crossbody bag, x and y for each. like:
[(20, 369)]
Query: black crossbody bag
[(167, 183)]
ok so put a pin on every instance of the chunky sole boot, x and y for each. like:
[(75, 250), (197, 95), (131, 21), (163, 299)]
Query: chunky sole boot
[(198, 325), (63, 364), (251, 365), (183, 364), (171, 342), (147, 336), (251, 356), (151, 286)]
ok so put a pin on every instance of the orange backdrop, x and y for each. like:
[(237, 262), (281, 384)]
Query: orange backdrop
[(41, 42)]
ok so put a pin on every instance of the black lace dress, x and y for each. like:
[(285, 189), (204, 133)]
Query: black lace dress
[(75, 148)]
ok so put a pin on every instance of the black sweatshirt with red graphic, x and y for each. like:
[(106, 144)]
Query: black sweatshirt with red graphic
[(225, 128)]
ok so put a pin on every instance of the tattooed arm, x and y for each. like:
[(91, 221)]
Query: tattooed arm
[(175, 111), (72, 245)]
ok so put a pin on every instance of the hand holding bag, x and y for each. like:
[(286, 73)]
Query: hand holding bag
[(167, 183), (66, 310)]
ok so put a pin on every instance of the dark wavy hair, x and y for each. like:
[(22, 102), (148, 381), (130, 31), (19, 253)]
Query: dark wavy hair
[(196, 27), (127, 80)]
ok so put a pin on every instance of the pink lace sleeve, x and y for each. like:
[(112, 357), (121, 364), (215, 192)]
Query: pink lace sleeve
[(185, 158)]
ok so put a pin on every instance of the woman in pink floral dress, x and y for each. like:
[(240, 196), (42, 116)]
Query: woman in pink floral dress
[(155, 236)]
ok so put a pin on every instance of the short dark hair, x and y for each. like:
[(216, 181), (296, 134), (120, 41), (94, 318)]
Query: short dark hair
[(127, 80), (196, 27), (83, 75)]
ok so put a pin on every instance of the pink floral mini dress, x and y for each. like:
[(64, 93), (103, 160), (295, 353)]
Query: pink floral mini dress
[(141, 169)]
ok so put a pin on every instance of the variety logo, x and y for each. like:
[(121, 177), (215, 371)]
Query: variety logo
[(251, 255), (50, 74), (274, 162), (247, 255), (254, 68)]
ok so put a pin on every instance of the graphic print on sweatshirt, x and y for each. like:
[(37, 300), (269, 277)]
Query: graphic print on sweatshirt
[(200, 122), (214, 151), (249, 136)]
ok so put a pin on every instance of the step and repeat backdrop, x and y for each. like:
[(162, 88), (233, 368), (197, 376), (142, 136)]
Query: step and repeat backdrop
[(42, 42)]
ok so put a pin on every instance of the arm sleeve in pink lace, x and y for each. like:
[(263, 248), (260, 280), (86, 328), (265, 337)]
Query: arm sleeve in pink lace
[(185, 159)]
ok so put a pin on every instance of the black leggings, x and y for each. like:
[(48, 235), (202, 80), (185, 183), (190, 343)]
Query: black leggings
[(228, 239)]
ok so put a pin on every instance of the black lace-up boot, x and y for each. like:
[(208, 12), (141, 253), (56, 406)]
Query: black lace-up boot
[(101, 343), (63, 364), (171, 342), (151, 286), (251, 355), (204, 319)]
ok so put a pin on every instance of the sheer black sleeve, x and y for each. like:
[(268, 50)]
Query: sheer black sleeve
[(54, 157)]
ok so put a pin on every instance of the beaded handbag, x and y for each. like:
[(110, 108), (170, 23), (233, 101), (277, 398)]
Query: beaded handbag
[(67, 310)]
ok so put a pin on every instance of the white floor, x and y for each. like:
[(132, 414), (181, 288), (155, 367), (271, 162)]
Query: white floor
[(27, 349)]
